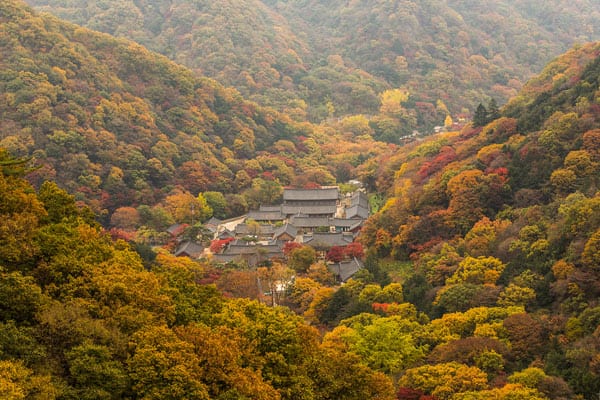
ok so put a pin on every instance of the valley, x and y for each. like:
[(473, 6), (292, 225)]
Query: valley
[(299, 200)]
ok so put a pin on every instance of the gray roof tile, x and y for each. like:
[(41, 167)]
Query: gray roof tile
[(332, 193)]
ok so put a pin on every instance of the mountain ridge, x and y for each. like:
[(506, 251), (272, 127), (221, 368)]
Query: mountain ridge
[(455, 51)]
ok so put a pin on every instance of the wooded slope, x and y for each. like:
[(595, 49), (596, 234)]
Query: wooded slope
[(117, 124), (507, 214), (331, 58)]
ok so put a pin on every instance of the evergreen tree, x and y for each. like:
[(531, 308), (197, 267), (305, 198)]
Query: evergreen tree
[(493, 111), (480, 117), (10, 166)]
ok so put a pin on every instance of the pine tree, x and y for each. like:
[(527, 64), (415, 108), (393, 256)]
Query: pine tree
[(10, 166), (493, 112), (480, 117)]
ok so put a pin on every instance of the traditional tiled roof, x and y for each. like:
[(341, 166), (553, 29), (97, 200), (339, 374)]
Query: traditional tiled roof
[(327, 240), (243, 247), (189, 249), (357, 212), (244, 229), (176, 229), (268, 208), (225, 233), (342, 222), (213, 221), (331, 193), (346, 269), (287, 228), (250, 253), (306, 221), (359, 198), (312, 208), (267, 213), (325, 209), (358, 223)]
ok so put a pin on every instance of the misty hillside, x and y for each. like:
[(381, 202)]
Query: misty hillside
[(308, 54), (476, 275), (117, 124)]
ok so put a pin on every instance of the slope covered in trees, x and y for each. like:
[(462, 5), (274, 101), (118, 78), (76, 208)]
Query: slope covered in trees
[(118, 125), (81, 318), (458, 51), (503, 215), (324, 58), (144, 141), (481, 278)]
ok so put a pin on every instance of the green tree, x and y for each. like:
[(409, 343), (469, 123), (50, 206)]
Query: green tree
[(493, 112), (300, 259), (236, 205), (10, 166), (193, 302), (480, 118), (264, 192), (384, 344), (156, 218), (20, 343), (20, 215), (95, 372), (58, 203), (217, 202), (281, 343), (20, 297), (458, 297)]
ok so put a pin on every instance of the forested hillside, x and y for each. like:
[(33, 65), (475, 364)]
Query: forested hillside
[(81, 318), (481, 269), (118, 125), (331, 58), (504, 214), (481, 281)]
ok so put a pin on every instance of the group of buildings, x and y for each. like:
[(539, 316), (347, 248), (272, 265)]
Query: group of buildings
[(322, 218)]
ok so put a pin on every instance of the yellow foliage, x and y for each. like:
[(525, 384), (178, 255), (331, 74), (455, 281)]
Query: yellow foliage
[(390, 203), (18, 382), (357, 125), (318, 304), (488, 153), (481, 270), (444, 380), (448, 121), (514, 295), (492, 330), (508, 392), (452, 325), (391, 101), (591, 251)]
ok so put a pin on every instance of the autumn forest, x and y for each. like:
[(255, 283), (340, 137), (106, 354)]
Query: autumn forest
[(461, 260)]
